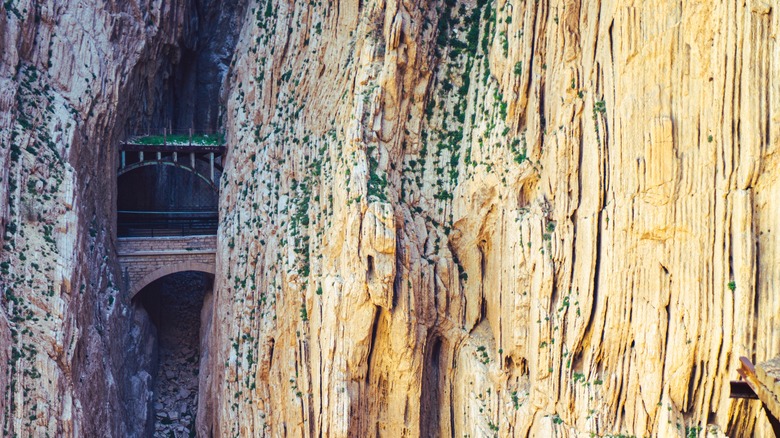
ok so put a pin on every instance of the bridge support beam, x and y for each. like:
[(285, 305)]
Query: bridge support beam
[(161, 154), (211, 164)]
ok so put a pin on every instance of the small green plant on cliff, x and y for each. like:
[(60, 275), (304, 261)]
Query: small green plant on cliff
[(518, 70), (732, 286), (599, 107), (482, 355), (10, 9), (515, 400), (304, 313)]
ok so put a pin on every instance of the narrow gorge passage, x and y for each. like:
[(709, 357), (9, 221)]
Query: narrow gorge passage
[(174, 305)]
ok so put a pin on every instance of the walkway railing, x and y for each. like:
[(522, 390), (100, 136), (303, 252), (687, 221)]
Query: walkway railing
[(179, 148), (134, 223)]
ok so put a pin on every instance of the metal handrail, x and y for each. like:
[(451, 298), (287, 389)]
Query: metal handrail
[(156, 131), (167, 224), (169, 212)]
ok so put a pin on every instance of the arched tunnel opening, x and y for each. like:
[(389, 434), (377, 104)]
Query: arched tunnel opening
[(177, 345)]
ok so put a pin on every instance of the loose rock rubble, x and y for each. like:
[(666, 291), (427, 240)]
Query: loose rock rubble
[(178, 325)]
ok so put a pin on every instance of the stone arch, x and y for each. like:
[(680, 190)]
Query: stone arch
[(167, 270)]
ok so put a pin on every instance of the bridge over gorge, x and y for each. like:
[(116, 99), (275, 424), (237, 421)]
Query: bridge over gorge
[(146, 259), (168, 189)]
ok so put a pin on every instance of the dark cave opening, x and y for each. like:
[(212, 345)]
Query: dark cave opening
[(174, 305)]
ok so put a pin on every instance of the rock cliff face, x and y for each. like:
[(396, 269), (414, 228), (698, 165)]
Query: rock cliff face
[(448, 218), (518, 218), (73, 76)]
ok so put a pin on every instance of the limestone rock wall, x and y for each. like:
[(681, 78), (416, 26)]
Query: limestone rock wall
[(527, 218), (71, 357), (457, 217)]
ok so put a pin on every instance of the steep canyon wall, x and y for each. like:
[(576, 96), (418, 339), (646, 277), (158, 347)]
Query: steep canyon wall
[(74, 77), (468, 218), (527, 218)]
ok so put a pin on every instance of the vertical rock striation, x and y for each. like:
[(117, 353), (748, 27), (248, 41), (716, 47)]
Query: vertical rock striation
[(458, 217), (489, 217)]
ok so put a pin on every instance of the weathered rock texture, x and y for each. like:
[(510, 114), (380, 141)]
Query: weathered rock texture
[(536, 218), (73, 355), (475, 218)]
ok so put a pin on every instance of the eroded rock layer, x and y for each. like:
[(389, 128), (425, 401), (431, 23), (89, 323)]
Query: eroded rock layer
[(468, 218)]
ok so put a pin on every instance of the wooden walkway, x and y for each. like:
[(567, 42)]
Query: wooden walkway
[(760, 382), (180, 151)]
